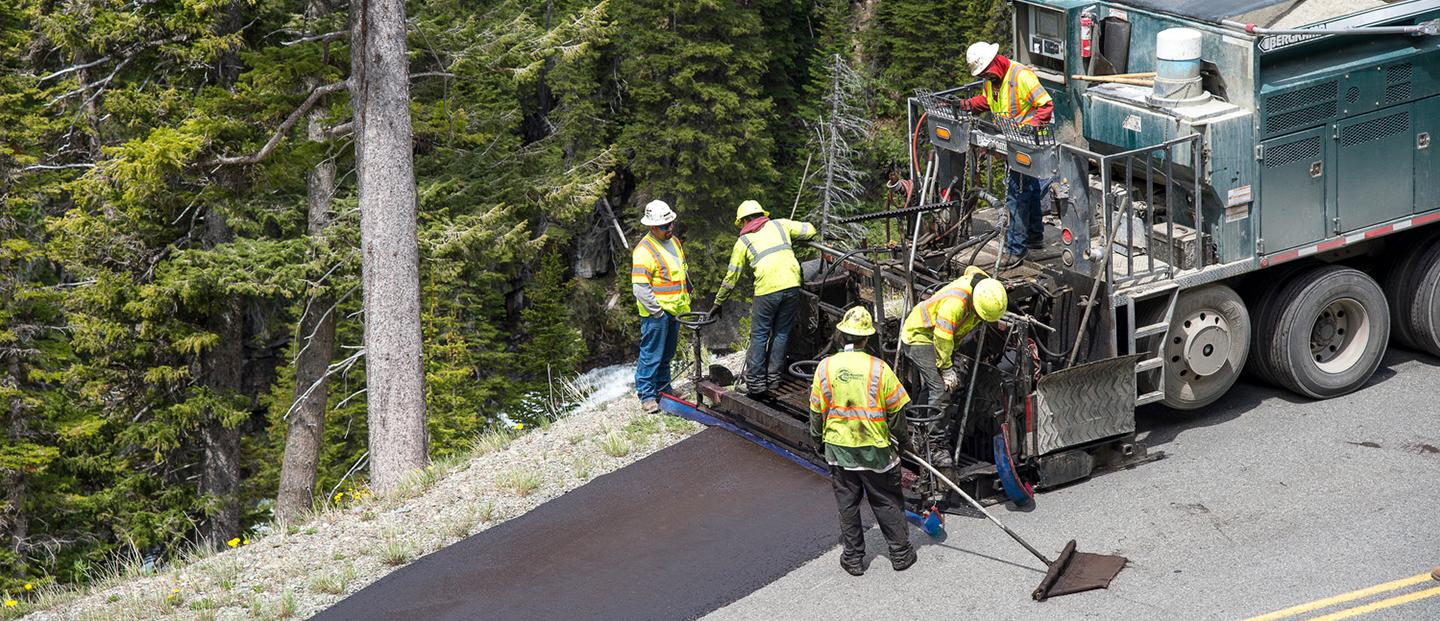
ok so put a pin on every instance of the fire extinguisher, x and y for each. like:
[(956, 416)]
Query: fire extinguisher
[(1087, 32)]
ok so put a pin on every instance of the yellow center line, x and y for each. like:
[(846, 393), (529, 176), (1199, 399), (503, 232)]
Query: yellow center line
[(1380, 605), (1344, 597)]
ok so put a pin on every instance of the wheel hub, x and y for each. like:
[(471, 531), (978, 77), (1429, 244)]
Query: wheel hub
[(1339, 334), (1203, 344)]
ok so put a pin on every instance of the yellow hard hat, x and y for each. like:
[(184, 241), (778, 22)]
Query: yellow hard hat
[(747, 209), (990, 299), (973, 270), (856, 322)]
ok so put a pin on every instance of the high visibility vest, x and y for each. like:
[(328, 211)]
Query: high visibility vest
[(943, 315), (1020, 94), (771, 253), (651, 264), (855, 391)]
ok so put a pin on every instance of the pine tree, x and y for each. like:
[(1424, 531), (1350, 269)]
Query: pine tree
[(553, 348)]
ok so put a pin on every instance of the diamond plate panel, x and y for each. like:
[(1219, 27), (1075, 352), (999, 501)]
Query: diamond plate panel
[(1084, 403)]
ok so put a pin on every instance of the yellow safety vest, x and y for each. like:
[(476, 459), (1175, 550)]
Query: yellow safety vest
[(855, 391), (1020, 94), (940, 318), (771, 253), (652, 265)]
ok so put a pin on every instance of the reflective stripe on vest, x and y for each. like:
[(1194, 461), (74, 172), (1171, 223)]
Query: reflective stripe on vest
[(928, 317), (1008, 101), (669, 284), (854, 408), (782, 243)]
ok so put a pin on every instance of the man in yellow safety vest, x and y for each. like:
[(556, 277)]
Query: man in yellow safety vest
[(766, 245), (931, 330), (857, 411), (1012, 91), (657, 279)]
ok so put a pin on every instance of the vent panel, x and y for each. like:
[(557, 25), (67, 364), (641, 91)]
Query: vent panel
[(1304, 117), (1396, 93), (1375, 129), (1398, 73), (1291, 152), (1302, 97)]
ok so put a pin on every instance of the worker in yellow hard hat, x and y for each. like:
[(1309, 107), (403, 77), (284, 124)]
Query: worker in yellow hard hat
[(766, 245), (662, 294), (929, 334), (1012, 91), (857, 412)]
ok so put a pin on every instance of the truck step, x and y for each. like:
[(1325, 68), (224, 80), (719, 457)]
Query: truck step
[(1149, 364), (1150, 397), (1154, 329)]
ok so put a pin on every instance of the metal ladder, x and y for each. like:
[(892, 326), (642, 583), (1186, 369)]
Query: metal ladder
[(1160, 329)]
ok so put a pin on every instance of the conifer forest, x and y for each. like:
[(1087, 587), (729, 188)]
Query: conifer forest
[(193, 236)]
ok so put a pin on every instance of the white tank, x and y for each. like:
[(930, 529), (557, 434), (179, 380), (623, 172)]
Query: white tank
[(1177, 68)]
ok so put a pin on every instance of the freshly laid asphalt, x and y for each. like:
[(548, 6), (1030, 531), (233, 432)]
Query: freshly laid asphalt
[(672, 536), (1265, 501)]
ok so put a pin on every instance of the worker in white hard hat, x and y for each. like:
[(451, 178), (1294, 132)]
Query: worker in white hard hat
[(662, 293), (1013, 91), (931, 330), (857, 416), (766, 245)]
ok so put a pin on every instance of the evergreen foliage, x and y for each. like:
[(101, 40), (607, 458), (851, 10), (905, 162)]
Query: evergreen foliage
[(156, 257)]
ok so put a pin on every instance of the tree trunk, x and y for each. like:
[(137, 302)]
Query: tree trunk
[(14, 524), (316, 339), (223, 368), (389, 258)]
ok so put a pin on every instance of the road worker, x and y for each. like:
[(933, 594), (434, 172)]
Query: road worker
[(857, 412), (766, 245), (1013, 92), (931, 330), (657, 279)]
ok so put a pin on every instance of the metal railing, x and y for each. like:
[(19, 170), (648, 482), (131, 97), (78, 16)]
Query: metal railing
[(1140, 175)]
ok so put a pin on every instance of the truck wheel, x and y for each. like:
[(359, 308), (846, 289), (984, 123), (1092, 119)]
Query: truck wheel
[(1261, 302), (1204, 349), (1326, 332), (1400, 290), (1416, 310)]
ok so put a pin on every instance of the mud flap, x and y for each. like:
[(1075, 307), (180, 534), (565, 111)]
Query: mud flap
[(1085, 403)]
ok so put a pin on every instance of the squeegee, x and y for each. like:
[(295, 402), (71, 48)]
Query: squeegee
[(1070, 572)]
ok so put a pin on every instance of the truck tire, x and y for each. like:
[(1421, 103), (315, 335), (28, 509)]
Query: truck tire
[(1400, 289), (1205, 348), (1416, 310), (1261, 301), (1326, 331)]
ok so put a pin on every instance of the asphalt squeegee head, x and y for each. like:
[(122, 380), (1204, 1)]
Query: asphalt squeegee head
[(1071, 572)]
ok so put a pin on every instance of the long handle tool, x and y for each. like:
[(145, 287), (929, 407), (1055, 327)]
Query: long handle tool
[(1071, 572)]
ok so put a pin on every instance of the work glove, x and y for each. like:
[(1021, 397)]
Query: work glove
[(950, 378), (716, 311)]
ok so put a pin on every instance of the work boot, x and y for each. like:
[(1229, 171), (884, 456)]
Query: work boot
[(1008, 261), (904, 560), (1035, 244), (650, 406), (772, 382), (854, 565)]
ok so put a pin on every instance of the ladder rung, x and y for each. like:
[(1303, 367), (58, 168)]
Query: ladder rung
[(1154, 329), (1150, 397), (1149, 364)]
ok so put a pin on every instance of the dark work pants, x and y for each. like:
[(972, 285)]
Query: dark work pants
[(658, 337), (1022, 198), (771, 317), (882, 489)]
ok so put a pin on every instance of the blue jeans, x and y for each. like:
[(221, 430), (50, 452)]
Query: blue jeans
[(1022, 199), (658, 336), (771, 318)]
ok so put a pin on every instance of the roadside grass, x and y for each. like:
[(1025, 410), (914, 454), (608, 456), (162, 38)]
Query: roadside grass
[(520, 481), (492, 441), (616, 445), (396, 552), (335, 582)]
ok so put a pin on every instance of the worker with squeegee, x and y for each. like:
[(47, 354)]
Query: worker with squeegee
[(766, 245), (857, 411), (1013, 92), (662, 293), (929, 335)]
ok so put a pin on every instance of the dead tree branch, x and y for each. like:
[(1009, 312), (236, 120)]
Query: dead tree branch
[(290, 121)]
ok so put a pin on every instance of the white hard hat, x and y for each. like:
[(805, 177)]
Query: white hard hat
[(657, 213), (979, 56)]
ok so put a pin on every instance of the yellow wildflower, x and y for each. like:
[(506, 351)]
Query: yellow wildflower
[(339, 495), (233, 542), (519, 425), (10, 603), (29, 587), (246, 542)]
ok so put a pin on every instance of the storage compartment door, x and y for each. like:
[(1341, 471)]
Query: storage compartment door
[(1292, 190), (1375, 154), (1427, 162)]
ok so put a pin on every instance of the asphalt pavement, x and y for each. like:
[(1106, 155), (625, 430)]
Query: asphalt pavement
[(1265, 502)]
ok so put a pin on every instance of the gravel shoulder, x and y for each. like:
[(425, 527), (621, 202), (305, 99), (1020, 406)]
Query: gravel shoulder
[(300, 569)]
